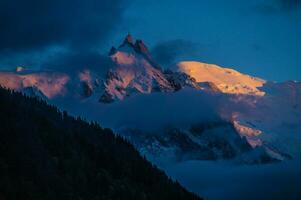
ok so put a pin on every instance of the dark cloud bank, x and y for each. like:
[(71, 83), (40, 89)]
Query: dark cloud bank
[(168, 52), (290, 4), (75, 61), (278, 6), (33, 27), (33, 24)]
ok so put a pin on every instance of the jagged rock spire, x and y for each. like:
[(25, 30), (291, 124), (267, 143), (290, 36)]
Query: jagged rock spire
[(141, 47), (138, 46), (128, 39), (112, 51)]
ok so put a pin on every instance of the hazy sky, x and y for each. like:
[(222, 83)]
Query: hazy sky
[(259, 37)]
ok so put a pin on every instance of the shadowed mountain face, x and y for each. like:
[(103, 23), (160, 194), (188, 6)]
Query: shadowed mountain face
[(207, 141), (46, 154)]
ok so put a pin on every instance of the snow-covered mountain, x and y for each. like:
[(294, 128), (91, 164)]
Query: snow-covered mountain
[(266, 113), (215, 140), (227, 80), (50, 84), (274, 120), (258, 121), (132, 71)]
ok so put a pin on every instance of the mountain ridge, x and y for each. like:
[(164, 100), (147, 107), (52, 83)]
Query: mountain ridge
[(249, 103)]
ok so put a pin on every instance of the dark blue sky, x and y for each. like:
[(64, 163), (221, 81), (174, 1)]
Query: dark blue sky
[(259, 37)]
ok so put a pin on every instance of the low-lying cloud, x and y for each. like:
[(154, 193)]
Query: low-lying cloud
[(150, 112), (221, 181)]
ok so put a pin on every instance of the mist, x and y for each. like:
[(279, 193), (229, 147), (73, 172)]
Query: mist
[(213, 180), (221, 180), (149, 112)]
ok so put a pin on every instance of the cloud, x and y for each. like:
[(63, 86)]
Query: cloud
[(75, 61), (33, 24), (149, 112), (218, 180), (278, 6), (39, 33), (168, 52), (290, 4)]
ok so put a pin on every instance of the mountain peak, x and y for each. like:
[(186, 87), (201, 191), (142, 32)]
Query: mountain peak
[(138, 45), (128, 39), (113, 50), (141, 47)]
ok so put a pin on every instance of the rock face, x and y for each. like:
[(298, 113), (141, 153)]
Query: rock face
[(134, 71)]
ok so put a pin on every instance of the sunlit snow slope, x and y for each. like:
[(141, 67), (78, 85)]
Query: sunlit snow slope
[(50, 84), (227, 80)]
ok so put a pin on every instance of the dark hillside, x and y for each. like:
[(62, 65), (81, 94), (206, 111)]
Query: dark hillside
[(46, 154)]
